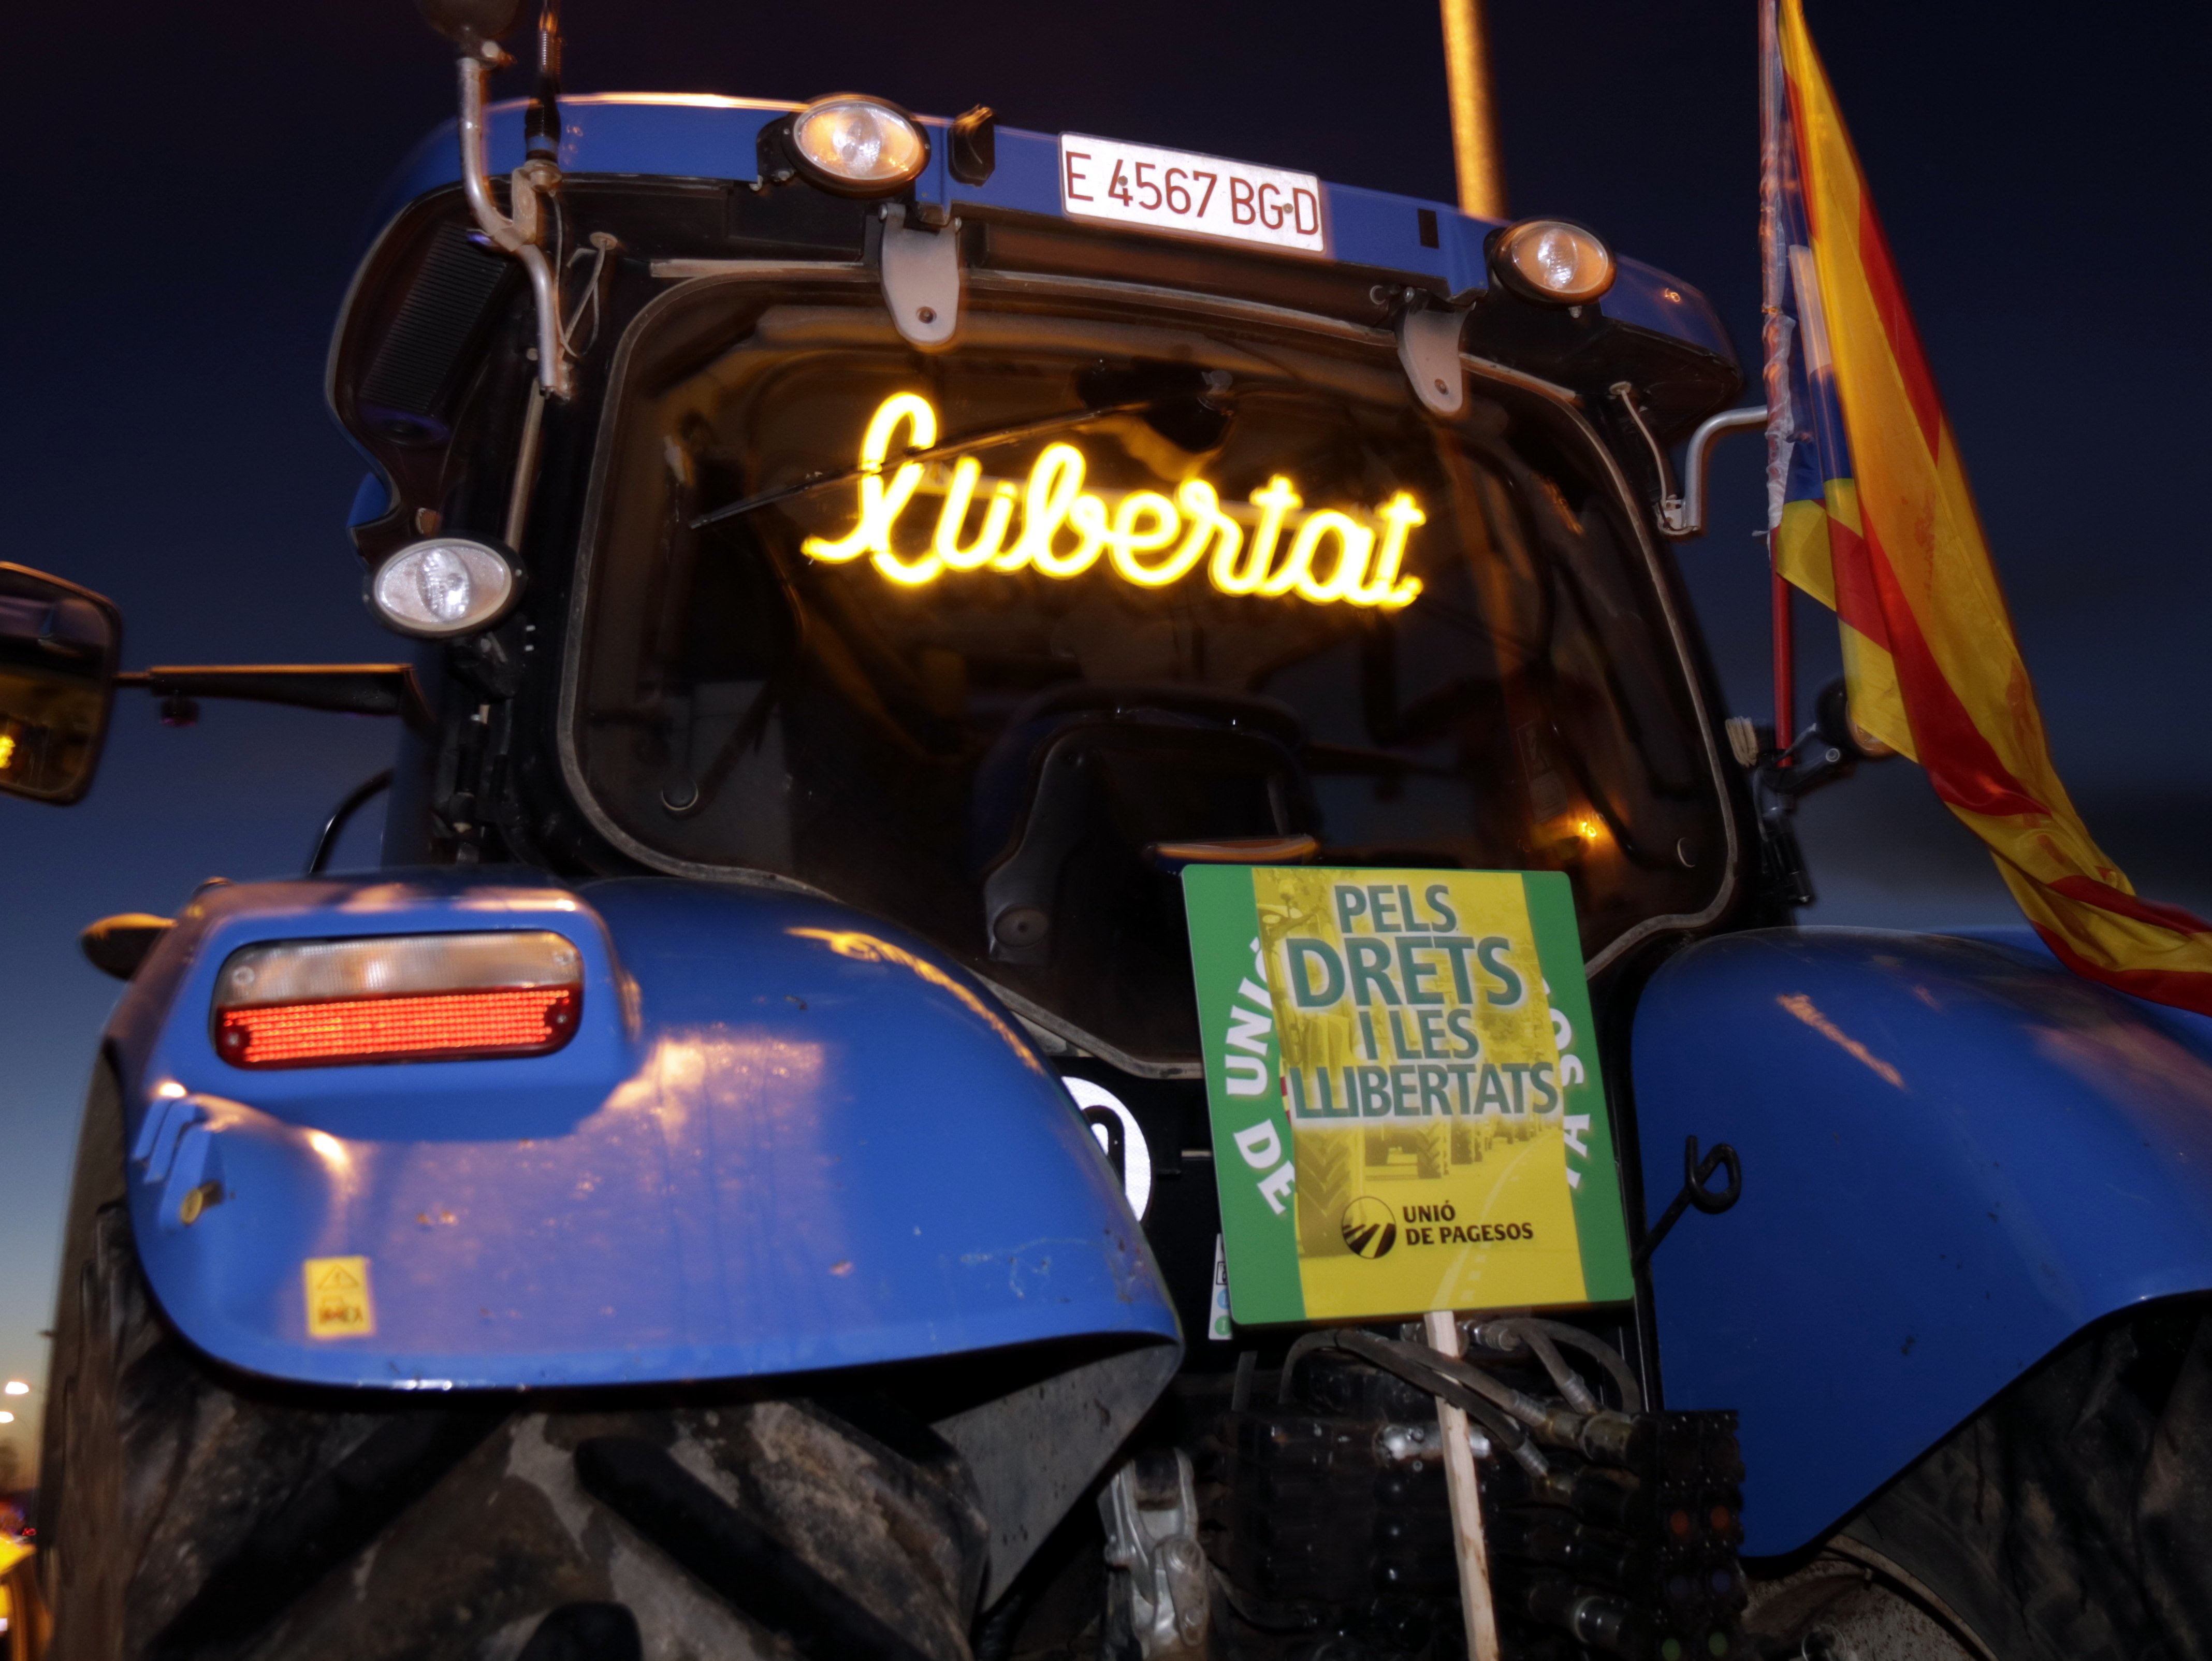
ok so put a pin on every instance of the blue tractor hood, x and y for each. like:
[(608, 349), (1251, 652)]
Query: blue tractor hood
[(1956, 1155), (785, 1137)]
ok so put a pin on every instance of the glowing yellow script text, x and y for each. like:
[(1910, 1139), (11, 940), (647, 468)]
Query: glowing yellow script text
[(1147, 537)]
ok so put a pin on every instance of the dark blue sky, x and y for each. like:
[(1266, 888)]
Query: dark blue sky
[(187, 190)]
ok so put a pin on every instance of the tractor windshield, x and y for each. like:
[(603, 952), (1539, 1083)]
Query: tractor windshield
[(985, 640)]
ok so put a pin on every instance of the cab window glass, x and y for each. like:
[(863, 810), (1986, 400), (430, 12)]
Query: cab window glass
[(1099, 590)]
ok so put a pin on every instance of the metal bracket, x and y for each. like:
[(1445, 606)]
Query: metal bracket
[(1683, 514), (1151, 1511), (921, 277), (523, 233), (1428, 347)]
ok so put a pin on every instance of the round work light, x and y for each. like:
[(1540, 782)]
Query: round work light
[(857, 146), (444, 587), (1552, 260)]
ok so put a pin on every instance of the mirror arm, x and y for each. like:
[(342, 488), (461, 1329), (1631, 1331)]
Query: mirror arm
[(523, 235), (358, 689), (1685, 515)]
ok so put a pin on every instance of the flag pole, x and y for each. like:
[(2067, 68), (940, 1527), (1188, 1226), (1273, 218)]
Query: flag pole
[(1474, 113), (1775, 332), (1785, 664)]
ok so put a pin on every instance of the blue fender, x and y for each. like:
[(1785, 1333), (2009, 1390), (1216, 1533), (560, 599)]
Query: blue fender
[(1956, 1155), (785, 1137)]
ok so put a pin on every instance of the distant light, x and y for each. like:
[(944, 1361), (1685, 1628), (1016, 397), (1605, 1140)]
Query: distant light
[(170, 1091), (328, 1145), (17, 1387), (6, 750), (7, 1417), (1588, 829)]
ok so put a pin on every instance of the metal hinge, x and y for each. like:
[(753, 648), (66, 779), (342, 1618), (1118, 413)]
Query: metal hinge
[(920, 267)]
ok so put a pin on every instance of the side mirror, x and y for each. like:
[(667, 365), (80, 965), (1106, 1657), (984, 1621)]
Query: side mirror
[(59, 645), (118, 945)]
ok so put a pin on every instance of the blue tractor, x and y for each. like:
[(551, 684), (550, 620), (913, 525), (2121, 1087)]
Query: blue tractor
[(735, 1179)]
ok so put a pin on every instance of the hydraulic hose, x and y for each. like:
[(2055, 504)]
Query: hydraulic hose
[(1608, 1437), (1624, 1380), (1298, 1352), (1616, 1366), (1406, 1361), (1533, 1337), (1425, 1369), (1527, 1409)]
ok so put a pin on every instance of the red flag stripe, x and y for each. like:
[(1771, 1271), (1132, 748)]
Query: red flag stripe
[(1858, 600), (1962, 765), (2105, 897), (2184, 989), (1881, 269)]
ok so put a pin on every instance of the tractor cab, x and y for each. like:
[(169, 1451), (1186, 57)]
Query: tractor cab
[(982, 541)]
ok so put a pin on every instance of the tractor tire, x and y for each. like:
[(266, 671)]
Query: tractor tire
[(1324, 1189), (1433, 1150), (193, 1513), (2069, 1520)]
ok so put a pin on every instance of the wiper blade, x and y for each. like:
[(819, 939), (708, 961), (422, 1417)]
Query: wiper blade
[(952, 446)]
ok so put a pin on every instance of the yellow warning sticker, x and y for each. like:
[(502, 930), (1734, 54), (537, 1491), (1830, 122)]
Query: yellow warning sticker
[(337, 1298)]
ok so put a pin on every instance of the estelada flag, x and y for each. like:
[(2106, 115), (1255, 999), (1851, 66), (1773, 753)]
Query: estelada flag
[(1869, 512)]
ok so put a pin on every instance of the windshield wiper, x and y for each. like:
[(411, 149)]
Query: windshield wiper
[(952, 446)]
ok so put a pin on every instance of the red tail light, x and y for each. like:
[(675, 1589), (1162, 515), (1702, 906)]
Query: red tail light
[(416, 997)]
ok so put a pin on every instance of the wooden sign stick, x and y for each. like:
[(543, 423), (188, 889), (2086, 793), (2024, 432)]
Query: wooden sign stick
[(1466, 1504)]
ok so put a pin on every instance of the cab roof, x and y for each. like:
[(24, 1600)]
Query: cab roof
[(707, 136)]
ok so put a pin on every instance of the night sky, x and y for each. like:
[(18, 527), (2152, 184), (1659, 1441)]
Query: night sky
[(188, 189)]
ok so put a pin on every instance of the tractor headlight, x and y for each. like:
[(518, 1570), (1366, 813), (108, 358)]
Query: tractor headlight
[(857, 146), (1552, 260), (444, 587)]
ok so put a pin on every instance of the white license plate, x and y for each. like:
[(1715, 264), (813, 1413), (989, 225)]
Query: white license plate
[(1176, 191)]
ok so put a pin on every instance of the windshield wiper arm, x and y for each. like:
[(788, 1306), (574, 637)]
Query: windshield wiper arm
[(950, 446)]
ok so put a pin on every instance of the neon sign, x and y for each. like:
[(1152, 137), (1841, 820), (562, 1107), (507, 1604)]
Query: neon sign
[(1326, 556)]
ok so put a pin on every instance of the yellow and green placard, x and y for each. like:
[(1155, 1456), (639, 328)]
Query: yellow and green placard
[(1407, 1109)]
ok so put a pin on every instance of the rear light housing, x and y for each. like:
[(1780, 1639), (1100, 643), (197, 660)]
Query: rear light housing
[(398, 998)]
